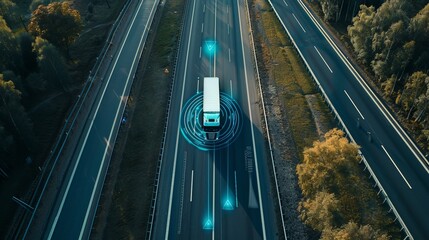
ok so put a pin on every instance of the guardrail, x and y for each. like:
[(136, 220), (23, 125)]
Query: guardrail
[(377, 182), (266, 122), (151, 218), (70, 121)]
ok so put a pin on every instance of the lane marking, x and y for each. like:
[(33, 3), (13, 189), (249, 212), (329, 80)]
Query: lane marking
[(198, 85), (230, 85), (202, 27), (317, 50), (286, 3), (228, 28), (167, 230), (396, 167), (357, 109), (204, 8), (192, 184), (200, 51), (261, 209), (89, 130), (399, 130), (236, 190), (298, 22), (138, 52), (229, 54)]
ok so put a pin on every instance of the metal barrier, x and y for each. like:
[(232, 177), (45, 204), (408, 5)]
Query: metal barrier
[(151, 217), (70, 121), (386, 197), (266, 122)]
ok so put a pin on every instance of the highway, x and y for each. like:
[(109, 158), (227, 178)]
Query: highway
[(215, 190), (73, 212), (399, 166)]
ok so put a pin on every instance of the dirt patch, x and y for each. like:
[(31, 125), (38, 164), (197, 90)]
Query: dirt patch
[(319, 114)]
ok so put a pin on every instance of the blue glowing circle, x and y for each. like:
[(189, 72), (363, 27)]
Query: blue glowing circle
[(191, 123)]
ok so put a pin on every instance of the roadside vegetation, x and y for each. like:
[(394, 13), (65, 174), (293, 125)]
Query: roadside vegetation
[(334, 196), (127, 194), (41, 71), (389, 38), (337, 199)]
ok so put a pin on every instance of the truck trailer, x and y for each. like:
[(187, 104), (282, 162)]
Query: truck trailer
[(211, 108)]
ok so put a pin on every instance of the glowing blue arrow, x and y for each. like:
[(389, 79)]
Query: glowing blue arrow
[(208, 225), (228, 205)]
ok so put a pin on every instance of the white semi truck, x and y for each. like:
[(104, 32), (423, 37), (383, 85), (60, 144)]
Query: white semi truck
[(211, 108)]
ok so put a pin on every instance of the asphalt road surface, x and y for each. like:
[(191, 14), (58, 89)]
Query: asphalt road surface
[(215, 190), (73, 212), (399, 166)]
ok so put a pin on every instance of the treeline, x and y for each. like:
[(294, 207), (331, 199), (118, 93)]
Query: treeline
[(392, 42), (390, 39), (343, 10), (338, 201), (33, 65)]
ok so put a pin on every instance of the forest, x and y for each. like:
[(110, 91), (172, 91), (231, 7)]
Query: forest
[(390, 41), (34, 55)]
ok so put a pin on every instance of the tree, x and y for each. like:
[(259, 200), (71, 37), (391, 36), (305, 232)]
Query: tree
[(361, 32), (327, 163), (29, 57), (419, 30), (8, 47), (352, 231), (6, 142), (415, 87), (13, 114), (7, 10), (330, 9), (320, 212), (57, 22), (51, 64)]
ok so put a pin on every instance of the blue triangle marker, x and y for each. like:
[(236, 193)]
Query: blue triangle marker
[(228, 206), (208, 225)]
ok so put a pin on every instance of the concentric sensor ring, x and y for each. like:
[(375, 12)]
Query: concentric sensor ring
[(191, 122)]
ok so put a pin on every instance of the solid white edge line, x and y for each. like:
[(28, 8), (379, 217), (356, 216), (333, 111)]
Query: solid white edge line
[(264, 234), (354, 105), (213, 192), (317, 50), (402, 175), (214, 153), (192, 185), (214, 55), (89, 130), (267, 129), (167, 230), (298, 22), (114, 123), (398, 128)]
